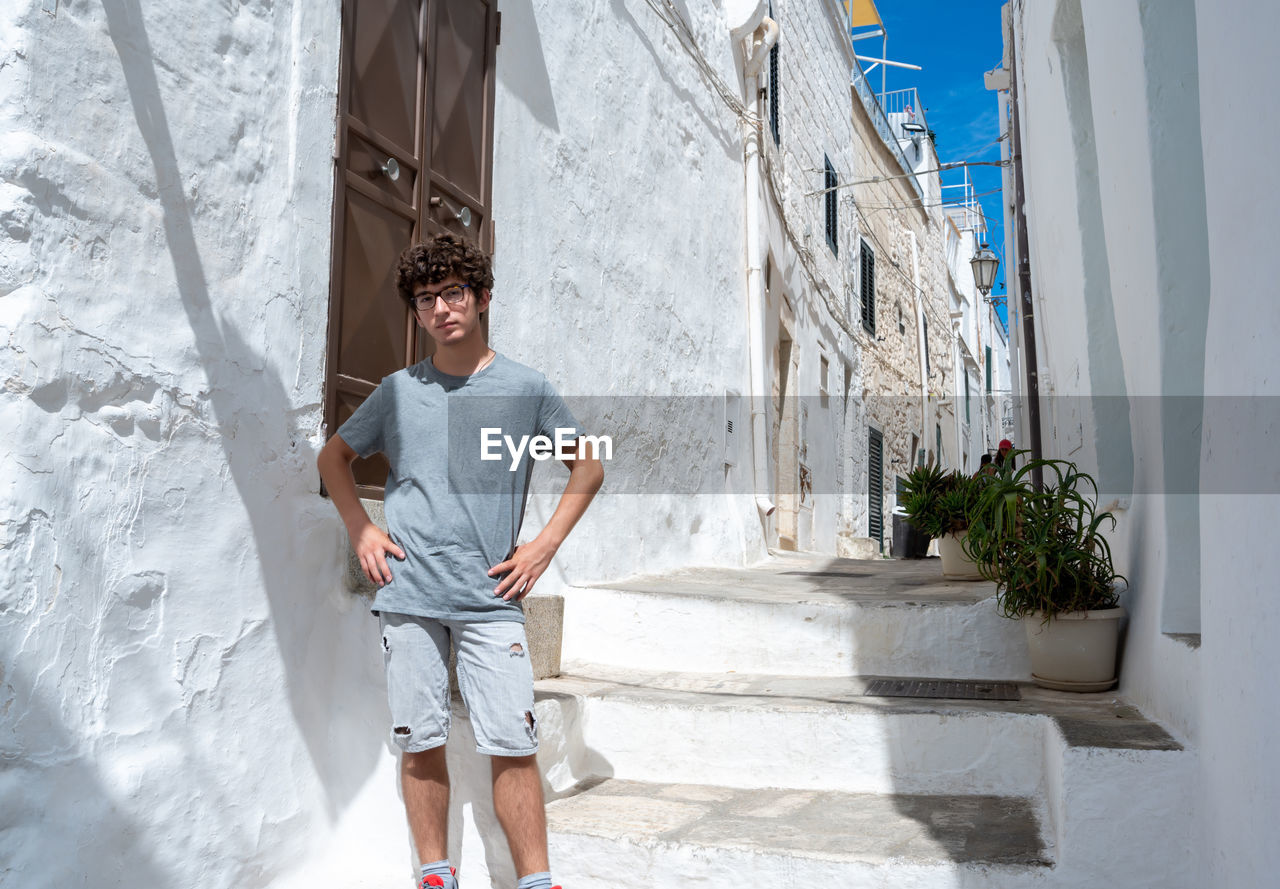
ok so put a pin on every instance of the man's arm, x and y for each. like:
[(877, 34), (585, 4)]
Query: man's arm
[(370, 542), (529, 561)]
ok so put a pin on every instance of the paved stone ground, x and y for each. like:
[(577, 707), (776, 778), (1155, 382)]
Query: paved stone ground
[(835, 826), (803, 577)]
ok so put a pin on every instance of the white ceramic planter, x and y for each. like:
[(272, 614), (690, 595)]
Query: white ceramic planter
[(955, 564), (1075, 651)]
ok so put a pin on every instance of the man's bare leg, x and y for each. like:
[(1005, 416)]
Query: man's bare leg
[(424, 780), (517, 801)]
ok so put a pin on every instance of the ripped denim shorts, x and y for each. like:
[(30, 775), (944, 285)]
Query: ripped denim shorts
[(494, 676)]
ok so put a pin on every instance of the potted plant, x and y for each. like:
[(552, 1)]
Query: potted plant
[(938, 504), (1052, 567), (916, 498)]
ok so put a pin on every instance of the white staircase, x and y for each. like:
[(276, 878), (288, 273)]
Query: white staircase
[(711, 729)]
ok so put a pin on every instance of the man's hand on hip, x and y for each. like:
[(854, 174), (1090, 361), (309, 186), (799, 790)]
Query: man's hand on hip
[(524, 568), (372, 544)]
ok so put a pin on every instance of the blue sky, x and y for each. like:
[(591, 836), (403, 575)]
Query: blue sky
[(954, 43)]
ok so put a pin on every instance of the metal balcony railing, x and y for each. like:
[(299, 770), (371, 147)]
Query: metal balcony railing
[(903, 107), (888, 133)]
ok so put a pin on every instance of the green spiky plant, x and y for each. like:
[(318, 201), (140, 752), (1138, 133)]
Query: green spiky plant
[(922, 492), (938, 502), (1044, 549)]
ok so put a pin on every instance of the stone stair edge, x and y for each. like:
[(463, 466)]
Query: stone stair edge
[(1101, 723), (739, 598)]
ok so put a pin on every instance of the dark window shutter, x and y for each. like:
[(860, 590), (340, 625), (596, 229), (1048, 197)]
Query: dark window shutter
[(875, 485), (775, 87), (988, 369), (926, 344), (415, 149), (867, 264), (830, 181), (966, 395)]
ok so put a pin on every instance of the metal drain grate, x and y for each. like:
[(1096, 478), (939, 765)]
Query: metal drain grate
[(843, 575), (965, 689)]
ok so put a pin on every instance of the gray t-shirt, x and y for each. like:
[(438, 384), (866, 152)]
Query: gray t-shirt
[(454, 514)]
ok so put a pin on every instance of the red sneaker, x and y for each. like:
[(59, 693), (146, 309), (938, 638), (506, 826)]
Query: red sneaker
[(432, 880)]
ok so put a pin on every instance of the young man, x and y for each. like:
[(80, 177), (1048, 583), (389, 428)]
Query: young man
[(453, 514)]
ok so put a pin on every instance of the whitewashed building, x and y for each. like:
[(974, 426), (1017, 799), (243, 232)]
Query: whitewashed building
[(981, 351), (902, 295), (1152, 267), (199, 206)]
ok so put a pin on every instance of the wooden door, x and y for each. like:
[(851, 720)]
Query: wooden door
[(414, 157)]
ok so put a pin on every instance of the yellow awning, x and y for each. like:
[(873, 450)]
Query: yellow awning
[(862, 13)]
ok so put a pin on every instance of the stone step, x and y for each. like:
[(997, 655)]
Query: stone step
[(824, 733), (799, 615), (1113, 792), (629, 833)]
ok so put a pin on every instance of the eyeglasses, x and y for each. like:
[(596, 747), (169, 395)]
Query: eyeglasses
[(451, 295)]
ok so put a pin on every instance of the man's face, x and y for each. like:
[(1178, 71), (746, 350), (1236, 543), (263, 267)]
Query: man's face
[(449, 323)]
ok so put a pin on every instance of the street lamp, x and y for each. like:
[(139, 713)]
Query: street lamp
[(984, 265)]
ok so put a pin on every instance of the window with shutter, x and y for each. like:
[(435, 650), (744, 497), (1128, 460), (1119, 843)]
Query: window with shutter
[(926, 344), (867, 284), (830, 181), (875, 485), (988, 356), (775, 88), (415, 155), (966, 396)]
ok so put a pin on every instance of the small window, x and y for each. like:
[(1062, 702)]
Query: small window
[(902, 327), (830, 182), (966, 396), (939, 451), (867, 284), (775, 87), (988, 370), (926, 345), (824, 378)]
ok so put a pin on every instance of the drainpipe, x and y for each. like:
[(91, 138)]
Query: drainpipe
[(961, 370), (1024, 269), (1014, 336), (922, 348), (761, 39)]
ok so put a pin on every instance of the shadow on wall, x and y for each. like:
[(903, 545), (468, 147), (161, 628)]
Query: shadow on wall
[(522, 63), (725, 133), (47, 798), (1169, 56), (336, 731)]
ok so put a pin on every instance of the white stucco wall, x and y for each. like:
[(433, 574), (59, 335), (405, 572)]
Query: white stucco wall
[(1240, 720), (185, 686), (1151, 260), (620, 266), (1107, 323), (808, 293), (191, 696)]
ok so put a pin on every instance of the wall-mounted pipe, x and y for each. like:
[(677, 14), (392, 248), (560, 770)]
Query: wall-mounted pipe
[(758, 43)]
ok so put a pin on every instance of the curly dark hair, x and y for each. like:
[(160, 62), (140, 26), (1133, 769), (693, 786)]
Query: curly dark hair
[(434, 260)]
